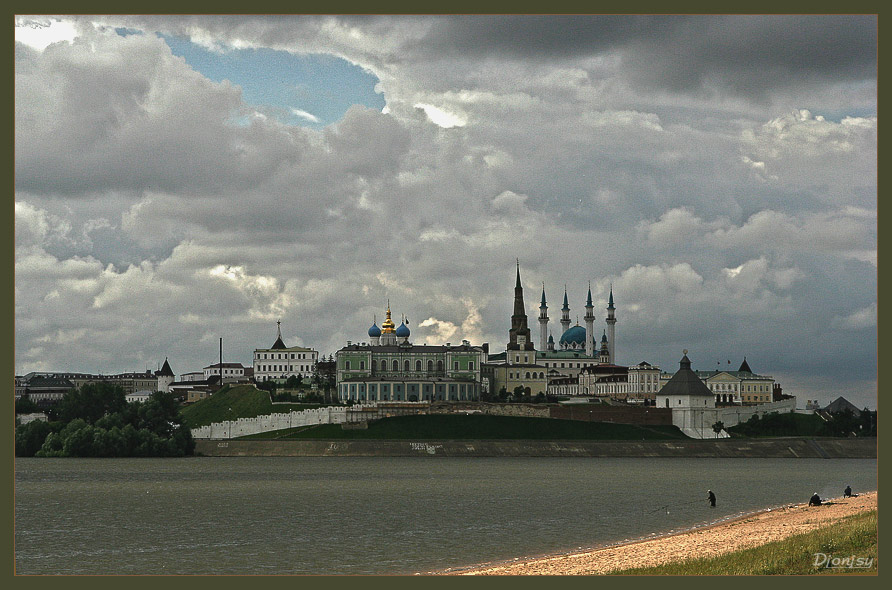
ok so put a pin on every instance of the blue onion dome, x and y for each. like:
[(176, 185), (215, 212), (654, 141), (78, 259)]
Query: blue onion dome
[(374, 331), (604, 337), (575, 335), (402, 331)]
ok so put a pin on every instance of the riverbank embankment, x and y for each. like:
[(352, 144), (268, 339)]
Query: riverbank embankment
[(803, 448), (732, 535)]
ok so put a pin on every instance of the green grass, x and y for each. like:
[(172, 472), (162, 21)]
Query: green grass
[(852, 536), (780, 424), (245, 401), (482, 427)]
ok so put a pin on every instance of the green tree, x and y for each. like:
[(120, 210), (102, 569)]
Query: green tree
[(91, 402), (30, 437), (718, 427), (78, 442), (24, 405), (52, 446)]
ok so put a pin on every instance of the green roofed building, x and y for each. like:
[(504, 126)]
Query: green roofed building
[(391, 368)]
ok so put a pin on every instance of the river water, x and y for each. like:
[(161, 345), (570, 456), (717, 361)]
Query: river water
[(350, 515)]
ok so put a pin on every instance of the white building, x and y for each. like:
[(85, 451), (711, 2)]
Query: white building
[(280, 361), (138, 396), (165, 377), (230, 371)]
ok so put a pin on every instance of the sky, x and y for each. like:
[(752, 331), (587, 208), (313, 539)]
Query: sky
[(181, 179)]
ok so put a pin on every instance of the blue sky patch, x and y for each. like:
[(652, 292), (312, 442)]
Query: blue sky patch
[(312, 90)]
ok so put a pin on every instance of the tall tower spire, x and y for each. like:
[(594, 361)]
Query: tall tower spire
[(589, 324), (543, 322), (565, 313), (611, 327), (519, 334)]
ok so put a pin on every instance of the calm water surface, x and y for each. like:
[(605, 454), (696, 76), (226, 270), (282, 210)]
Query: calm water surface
[(340, 515)]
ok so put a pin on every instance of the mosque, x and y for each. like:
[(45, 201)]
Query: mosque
[(525, 365), (576, 348)]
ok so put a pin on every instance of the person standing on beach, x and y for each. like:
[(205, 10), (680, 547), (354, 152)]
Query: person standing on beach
[(848, 492), (711, 498)]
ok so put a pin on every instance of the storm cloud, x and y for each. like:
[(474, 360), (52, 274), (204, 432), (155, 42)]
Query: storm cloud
[(718, 171)]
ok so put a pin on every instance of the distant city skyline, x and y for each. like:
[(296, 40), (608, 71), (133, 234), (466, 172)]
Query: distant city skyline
[(185, 178)]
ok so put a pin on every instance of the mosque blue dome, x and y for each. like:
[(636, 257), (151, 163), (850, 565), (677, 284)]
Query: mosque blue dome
[(374, 331), (575, 335), (402, 331)]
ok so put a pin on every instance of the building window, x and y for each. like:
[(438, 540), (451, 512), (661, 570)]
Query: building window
[(418, 366), (396, 366), (440, 366), (406, 366), (430, 366), (362, 365), (346, 365), (455, 366), (470, 365)]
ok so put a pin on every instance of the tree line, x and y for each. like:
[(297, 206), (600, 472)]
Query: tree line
[(97, 421)]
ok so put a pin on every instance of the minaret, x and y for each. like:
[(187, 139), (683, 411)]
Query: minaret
[(589, 324), (519, 334), (611, 328), (543, 322), (565, 314)]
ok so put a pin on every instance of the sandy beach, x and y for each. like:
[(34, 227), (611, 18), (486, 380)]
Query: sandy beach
[(746, 531)]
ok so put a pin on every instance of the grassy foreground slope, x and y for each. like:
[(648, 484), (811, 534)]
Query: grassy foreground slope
[(241, 401), (853, 536), (484, 427)]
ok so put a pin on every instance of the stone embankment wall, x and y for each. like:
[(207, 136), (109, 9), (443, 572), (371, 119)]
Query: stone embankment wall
[(310, 417), (269, 422), (792, 448), (519, 410), (697, 422)]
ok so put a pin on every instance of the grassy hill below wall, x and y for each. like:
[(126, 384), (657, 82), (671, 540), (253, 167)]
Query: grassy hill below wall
[(482, 427), (241, 401)]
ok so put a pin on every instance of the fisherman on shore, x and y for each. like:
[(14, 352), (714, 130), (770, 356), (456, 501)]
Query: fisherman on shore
[(815, 500), (711, 498)]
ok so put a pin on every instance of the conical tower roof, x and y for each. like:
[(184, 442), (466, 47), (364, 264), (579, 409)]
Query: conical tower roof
[(278, 344), (744, 366), (685, 381), (165, 371)]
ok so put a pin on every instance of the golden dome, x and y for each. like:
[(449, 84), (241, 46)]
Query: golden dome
[(387, 327)]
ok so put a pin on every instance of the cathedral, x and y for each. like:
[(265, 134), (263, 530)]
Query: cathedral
[(389, 367)]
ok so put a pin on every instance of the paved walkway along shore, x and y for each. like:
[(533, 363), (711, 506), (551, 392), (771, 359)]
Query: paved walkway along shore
[(740, 533)]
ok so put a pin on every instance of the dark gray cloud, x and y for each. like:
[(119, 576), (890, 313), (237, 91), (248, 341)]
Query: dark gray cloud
[(734, 212)]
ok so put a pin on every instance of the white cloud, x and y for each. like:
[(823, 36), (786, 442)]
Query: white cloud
[(858, 320), (40, 32), (442, 117), (721, 221), (305, 115)]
